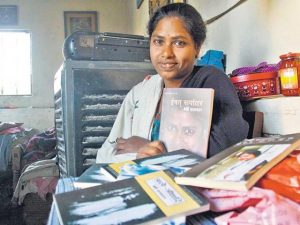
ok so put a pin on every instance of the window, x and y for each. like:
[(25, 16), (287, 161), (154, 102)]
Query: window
[(15, 63)]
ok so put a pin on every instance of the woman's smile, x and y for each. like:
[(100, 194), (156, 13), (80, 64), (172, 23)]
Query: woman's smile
[(168, 66)]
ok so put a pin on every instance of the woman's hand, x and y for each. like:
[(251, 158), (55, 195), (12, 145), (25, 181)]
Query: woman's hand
[(130, 145), (151, 149)]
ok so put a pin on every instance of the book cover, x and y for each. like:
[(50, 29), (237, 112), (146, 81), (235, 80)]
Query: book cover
[(239, 167), (186, 119), (147, 199), (178, 162), (91, 177)]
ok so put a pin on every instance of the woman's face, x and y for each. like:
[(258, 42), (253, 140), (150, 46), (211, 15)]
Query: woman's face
[(246, 156), (172, 51), (183, 130)]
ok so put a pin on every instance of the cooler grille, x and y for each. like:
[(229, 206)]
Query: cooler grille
[(61, 150), (88, 96), (98, 115)]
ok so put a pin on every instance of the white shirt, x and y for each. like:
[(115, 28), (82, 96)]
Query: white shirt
[(135, 118)]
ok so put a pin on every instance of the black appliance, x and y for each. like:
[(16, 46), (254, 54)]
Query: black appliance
[(88, 95), (83, 45)]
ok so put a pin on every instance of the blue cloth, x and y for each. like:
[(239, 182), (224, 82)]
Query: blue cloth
[(5, 150), (214, 58), (155, 130)]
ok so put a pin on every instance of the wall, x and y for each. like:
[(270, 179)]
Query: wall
[(45, 21), (140, 18), (256, 31)]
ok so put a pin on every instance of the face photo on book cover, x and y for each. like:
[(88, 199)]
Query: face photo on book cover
[(184, 130)]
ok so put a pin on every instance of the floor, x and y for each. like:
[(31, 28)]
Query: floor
[(34, 210), (9, 215)]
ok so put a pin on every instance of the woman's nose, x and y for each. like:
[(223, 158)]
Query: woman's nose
[(168, 51)]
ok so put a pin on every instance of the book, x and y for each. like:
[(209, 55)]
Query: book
[(91, 177), (186, 119), (240, 166), (147, 199), (178, 162)]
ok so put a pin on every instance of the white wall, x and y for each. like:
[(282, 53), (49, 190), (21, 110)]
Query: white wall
[(140, 18), (44, 18), (256, 31)]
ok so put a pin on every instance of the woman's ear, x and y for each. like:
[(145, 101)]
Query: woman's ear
[(197, 51)]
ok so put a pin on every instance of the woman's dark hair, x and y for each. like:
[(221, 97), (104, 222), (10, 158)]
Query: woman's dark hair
[(187, 13)]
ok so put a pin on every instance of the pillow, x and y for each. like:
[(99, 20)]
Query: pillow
[(6, 125)]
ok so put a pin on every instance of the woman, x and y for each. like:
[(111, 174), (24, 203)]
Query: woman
[(176, 33)]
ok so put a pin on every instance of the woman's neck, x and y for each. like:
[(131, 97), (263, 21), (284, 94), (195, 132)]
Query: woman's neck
[(172, 84), (177, 82)]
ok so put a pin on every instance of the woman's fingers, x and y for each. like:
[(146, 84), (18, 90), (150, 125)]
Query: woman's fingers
[(132, 144), (151, 149)]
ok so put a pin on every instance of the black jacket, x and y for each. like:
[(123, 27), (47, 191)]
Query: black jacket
[(228, 126)]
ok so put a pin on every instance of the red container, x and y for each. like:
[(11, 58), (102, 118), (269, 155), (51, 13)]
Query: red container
[(256, 85)]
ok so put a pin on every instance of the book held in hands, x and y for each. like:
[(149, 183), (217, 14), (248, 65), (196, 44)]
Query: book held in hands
[(147, 199), (239, 167), (186, 119)]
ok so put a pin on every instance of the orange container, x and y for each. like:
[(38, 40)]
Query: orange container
[(256, 85), (289, 74)]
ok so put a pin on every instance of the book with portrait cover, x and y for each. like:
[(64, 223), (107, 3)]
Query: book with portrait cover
[(178, 162), (240, 166), (186, 116), (147, 199)]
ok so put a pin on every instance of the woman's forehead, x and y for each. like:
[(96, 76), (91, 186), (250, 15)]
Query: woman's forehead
[(170, 26)]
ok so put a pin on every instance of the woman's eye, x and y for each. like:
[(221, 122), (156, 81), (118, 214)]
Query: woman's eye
[(172, 128), (157, 42), (179, 43), (189, 131)]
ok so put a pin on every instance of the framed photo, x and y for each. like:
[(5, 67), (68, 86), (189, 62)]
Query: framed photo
[(8, 15), (154, 4), (80, 21)]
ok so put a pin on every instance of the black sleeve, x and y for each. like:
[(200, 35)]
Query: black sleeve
[(228, 126)]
